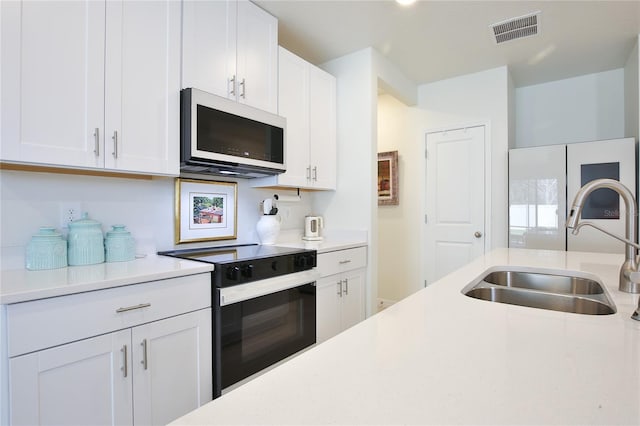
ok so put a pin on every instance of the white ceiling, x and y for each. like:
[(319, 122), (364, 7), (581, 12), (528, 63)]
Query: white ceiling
[(434, 40)]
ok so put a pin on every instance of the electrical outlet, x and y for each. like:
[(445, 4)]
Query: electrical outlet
[(69, 211)]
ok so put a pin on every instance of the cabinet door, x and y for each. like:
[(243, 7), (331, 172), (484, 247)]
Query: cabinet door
[(293, 101), (352, 298), (142, 86), (80, 383), (209, 46), (257, 57), (328, 307), (52, 83), (172, 371), (322, 128)]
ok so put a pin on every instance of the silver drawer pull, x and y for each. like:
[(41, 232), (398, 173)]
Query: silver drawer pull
[(344, 262), (131, 308), (96, 149), (145, 361), (244, 88), (124, 367), (115, 144)]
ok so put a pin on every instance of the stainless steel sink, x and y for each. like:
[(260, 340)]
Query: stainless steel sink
[(564, 284), (543, 290)]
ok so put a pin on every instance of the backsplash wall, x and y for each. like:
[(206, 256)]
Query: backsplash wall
[(29, 200)]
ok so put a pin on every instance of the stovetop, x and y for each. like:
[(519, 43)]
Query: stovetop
[(237, 253), (239, 264)]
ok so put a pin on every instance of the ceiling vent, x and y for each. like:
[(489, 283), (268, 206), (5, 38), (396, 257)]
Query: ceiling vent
[(515, 28)]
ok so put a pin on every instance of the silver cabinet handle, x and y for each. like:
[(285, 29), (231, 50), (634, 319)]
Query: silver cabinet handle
[(131, 308), (96, 147), (477, 234), (242, 92), (145, 361), (232, 81), (346, 286), (344, 262), (124, 366), (309, 173), (115, 144), (339, 284), (315, 173)]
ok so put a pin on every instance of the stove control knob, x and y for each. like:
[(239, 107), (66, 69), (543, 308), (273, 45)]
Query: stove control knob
[(305, 261), (274, 265), (232, 272), (311, 260), (247, 271)]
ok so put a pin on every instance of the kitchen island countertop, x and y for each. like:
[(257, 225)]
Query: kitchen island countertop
[(439, 357)]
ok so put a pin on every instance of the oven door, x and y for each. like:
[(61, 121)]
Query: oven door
[(264, 322)]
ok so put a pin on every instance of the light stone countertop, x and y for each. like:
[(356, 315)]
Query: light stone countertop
[(21, 285), (439, 357), (336, 240)]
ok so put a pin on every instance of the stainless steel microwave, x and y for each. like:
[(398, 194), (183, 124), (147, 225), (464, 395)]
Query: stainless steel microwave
[(223, 137)]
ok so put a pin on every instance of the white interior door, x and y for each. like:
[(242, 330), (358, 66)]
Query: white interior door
[(455, 222)]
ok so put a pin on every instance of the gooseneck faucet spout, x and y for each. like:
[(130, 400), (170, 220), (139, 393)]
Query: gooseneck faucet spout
[(629, 274)]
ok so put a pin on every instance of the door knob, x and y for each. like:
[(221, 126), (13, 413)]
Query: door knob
[(477, 234)]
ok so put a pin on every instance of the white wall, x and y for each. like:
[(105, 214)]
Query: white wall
[(29, 200), (473, 99), (579, 109), (631, 95), (352, 206), (399, 266)]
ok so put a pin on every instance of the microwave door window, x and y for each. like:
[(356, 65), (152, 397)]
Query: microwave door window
[(223, 133)]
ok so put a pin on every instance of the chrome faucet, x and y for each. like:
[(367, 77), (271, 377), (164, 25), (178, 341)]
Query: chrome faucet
[(629, 274)]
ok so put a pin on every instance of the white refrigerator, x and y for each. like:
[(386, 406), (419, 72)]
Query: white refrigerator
[(543, 182)]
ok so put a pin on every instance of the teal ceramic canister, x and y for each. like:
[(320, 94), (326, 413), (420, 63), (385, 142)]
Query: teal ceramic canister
[(46, 250), (119, 245), (86, 242)]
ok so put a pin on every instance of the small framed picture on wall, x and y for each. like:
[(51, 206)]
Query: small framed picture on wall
[(388, 178), (205, 210)]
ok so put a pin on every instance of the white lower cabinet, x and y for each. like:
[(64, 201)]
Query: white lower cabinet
[(145, 374), (340, 292), (77, 383), (171, 367)]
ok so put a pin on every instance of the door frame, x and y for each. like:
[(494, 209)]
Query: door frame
[(488, 231)]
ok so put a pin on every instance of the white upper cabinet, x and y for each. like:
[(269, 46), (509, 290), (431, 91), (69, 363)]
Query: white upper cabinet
[(142, 117), (91, 84), (52, 81), (322, 129), (307, 99), (230, 48)]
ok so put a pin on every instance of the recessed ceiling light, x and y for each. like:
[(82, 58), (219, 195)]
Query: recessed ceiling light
[(405, 2)]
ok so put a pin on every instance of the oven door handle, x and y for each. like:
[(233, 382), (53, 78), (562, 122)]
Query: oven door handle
[(242, 292)]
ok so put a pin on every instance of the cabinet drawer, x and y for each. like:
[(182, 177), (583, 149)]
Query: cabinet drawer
[(50, 322), (334, 262)]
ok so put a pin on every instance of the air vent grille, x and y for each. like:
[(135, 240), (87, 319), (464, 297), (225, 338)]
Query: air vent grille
[(515, 28)]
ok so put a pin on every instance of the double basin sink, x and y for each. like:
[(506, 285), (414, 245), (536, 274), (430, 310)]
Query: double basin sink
[(543, 290)]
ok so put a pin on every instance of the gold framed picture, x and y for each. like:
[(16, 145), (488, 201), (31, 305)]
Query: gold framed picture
[(205, 210), (388, 178)]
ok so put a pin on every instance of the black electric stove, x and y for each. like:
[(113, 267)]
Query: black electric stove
[(240, 264)]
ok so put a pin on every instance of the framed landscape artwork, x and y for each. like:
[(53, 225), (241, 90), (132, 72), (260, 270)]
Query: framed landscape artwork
[(388, 178), (205, 210)]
